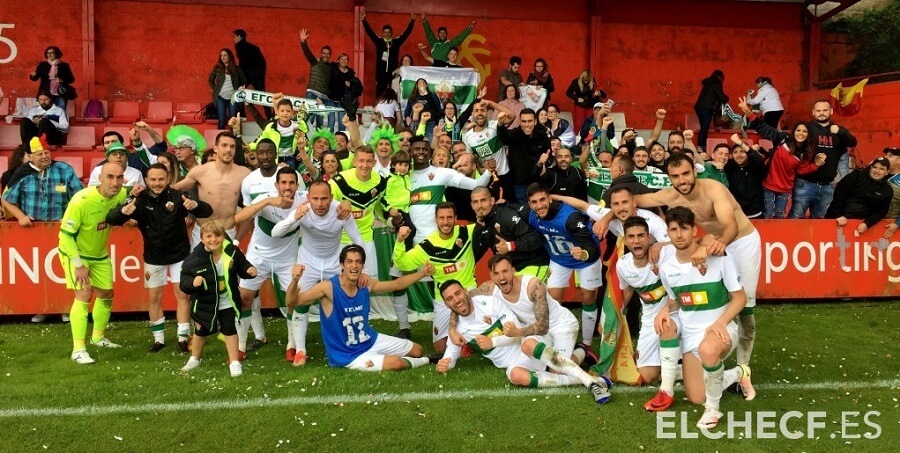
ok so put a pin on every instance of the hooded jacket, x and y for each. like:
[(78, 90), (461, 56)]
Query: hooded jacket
[(858, 196), (711, 94), (205, 298)]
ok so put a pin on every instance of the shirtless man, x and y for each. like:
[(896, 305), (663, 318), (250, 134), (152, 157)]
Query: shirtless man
[(219, 184), (726, 227)]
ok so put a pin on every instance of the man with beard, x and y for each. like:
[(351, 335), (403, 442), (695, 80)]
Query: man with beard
[(160, 212), (483, 141), (562, 178), (727, 230), (814, 191), (321, 226), (45, 119), (504, 229), (218, 184), (526, 143)]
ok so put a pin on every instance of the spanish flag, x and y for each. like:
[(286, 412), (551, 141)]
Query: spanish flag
[(848, 101), (616, 350)]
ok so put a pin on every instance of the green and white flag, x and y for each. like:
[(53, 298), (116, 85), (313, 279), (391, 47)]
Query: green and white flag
[(601, 177), (265, 98), (459, 85)]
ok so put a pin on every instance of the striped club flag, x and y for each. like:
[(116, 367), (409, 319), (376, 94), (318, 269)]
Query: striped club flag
[(459, 85)]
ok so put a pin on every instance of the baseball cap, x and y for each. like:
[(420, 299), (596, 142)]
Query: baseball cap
[(599, 105), (116, 147), (894, 151)]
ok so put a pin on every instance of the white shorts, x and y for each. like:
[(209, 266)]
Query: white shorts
[(524, 361), (691, 337), (746, 253), (156, 276), (648, 343), (195, 234), (563, 336), (279, 272), (373, 359), (590, 277), (440, 322)]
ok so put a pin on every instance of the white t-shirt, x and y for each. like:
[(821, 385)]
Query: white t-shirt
[(224, 299), (647, 285), (659, 232), (427, 188), (703, 298), (388, 109), (133, 177), (523, 308), (262, 243), (487, 318), (486, 145), (321, 235)]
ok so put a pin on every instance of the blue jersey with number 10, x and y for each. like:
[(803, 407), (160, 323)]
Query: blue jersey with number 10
[(559, 240), (347, 333)]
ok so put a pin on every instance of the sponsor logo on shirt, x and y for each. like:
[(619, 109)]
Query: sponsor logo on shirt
[(694, 298), (357, 214), (101, 226), (653, 295), (420, 196)]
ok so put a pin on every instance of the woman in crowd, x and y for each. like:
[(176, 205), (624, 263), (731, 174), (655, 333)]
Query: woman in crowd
[(450, 62), (224, 79), (559, 127), (331, 166), (585, 93), (171, 162), (768, 100), (511, 101), (429, 101), (541, 78), (710, 99), (862, 194), (20, 156), (388, 106), (405, 60), (793, 154), (56, 77)]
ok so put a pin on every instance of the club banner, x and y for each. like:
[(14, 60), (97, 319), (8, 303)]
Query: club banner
[(459, 85), (264, 98)]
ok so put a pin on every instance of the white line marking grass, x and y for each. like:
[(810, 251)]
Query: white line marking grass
[(393, 397)]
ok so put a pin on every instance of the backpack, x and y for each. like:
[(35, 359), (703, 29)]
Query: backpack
[(209, 112), (93, 109)]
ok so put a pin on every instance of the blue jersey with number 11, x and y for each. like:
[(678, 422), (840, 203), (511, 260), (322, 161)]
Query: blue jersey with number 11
[(347, 333), (559, 240)]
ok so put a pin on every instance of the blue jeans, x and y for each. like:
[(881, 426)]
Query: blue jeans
[(774, 204), (225, 110), (812, 196), (318, 120), (705, 116)]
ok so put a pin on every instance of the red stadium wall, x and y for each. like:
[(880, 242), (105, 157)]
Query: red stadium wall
[(646, 54), (876, 126)]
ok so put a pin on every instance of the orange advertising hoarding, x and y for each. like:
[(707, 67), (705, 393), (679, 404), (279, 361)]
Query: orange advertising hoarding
[(801, 259)]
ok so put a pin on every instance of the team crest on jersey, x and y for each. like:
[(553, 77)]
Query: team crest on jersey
[(497, 227), (459, 242), (373, 192), (70, 223), (487, 320), (516, 219), (580, 225), (102, 226), (170, 206), (430, 176)]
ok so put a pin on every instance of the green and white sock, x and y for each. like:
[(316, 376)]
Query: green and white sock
[(256, 320), (243, 330), (415, 362), (669, 351), (713, 377), (588, 323), (184, 331), (158, 328), (541, 379), (555, 361), (301, 325)]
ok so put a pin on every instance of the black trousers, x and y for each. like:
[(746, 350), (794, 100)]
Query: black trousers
[(771, 118), (29, 129)]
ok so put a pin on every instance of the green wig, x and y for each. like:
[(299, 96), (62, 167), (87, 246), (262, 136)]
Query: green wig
[(385, 132), (323, 133), (186, 136)]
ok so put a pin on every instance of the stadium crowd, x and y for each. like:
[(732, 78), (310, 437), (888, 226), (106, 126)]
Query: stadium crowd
[(540, 191)]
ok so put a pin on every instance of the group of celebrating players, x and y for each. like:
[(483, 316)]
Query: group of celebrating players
[(316, 245)]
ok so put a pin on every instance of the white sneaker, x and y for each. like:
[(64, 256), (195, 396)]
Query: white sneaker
[(82, 357), (105, 343), (38, 318), (191, 365), (65, 317), (710, 419), (236, 368)]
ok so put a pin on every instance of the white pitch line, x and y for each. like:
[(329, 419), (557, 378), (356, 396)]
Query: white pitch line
[(392, 397)]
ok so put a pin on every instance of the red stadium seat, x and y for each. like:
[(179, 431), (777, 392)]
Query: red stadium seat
[(94, 162), (765, 144), (125, 112), (159, 112), (80, 138), (712, 142), (71, 108), (103, 117), (76, 162), (148, 140), (210, 136), (122, 130), (9, 137), (188, 113), (4, 107)]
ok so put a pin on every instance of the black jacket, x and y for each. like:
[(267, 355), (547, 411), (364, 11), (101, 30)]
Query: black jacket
[(384, 69), (569, 182), (205, 298), (573, 92), (857, 196), (250, 58), (63, 73), (833, 145), (509, 222), (711, 94), (161, 224), (745, 183), (523, 150)]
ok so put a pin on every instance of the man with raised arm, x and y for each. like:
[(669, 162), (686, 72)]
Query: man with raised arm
[(349, 339), (320, 223)]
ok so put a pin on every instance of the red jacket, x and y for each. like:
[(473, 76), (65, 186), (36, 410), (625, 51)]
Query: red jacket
[(785, 166)]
